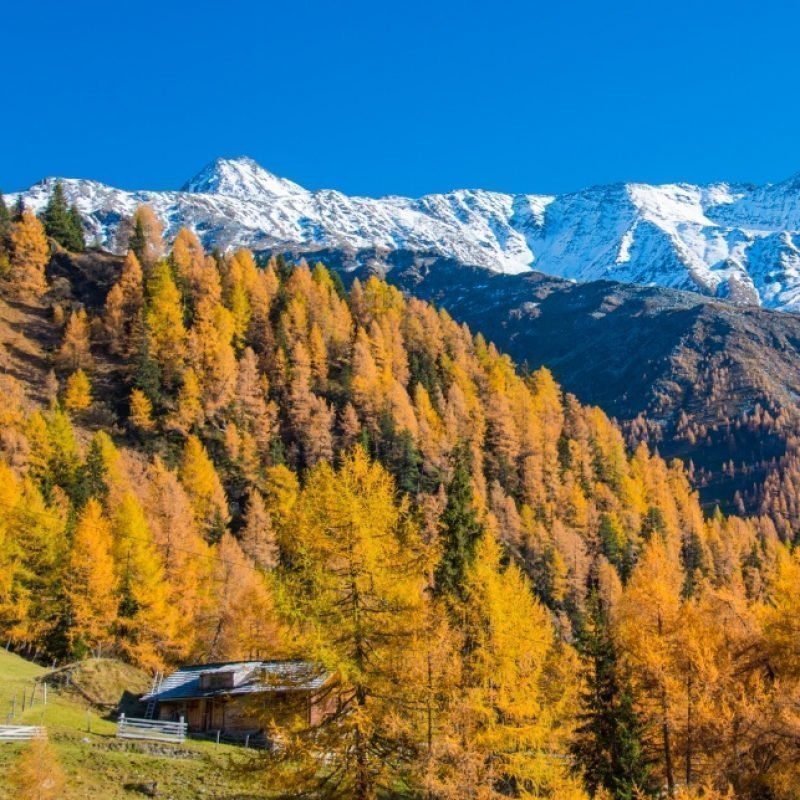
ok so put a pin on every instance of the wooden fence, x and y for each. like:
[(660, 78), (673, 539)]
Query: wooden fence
[(151, 729), (20, 733), (38, 695)]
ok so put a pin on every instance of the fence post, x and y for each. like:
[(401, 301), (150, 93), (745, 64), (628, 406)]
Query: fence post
[(183, 730), (13, 707), (44, 690), (247, 741), (218, 733)]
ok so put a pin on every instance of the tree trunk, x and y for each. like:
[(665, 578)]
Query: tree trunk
[(689, 729), (665, 728)]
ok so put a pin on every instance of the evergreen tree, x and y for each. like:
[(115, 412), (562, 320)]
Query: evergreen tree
[(607, 743), (5, 223), (19, 209), (77, 240), (146, 241), (93, 477), (61, 223), (5, 237), (146, 372), (138, 240), (460, 527), (399, 454)]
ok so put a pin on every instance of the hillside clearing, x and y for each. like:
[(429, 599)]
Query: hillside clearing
[(96, 763)]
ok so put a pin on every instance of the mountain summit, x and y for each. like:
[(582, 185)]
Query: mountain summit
[(735, 241), (240, 177)]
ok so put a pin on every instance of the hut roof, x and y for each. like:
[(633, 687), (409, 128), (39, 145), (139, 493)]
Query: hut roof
[(240, 677)]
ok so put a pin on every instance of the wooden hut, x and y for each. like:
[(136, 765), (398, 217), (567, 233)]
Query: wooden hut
[(239, 698)]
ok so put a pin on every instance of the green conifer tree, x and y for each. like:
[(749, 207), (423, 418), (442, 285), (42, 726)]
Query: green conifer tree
[(19, 209), (55, 217), (138, 240), (608, 739), (5, 237), (460, 528), (5, 223), (77, 240)]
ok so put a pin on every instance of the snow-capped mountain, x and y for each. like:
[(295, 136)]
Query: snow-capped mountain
[(736, 241)]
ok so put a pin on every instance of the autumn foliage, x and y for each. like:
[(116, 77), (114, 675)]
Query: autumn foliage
[(513, 602)]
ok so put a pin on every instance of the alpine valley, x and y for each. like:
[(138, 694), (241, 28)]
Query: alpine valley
[(344, 474)]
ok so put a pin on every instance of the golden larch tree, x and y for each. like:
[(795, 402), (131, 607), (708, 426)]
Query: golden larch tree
[(75, 350), (358, 585), (92, 588), (37, 774), (29, 255), (78, 391), (204, 488), (166, 333)]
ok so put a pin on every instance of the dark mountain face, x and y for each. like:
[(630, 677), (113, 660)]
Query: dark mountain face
[(701, 379)]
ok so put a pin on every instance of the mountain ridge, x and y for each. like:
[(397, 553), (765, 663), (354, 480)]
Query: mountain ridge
[(736, 241)]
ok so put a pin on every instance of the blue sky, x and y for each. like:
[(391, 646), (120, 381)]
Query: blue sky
[(402, 97)]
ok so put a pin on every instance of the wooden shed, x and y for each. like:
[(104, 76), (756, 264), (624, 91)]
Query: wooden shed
[(240, 698)]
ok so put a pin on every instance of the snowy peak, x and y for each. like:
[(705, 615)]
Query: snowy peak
[(240, 177), (734, 241)]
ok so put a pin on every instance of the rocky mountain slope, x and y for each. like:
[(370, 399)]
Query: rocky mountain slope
[(696, 377), (733, 241)]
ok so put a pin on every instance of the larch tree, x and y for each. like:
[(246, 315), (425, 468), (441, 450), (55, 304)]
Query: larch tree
[(78, 392), (242, 621), (146, 241), (147, 621), (649, 623), (75, 351), (510, 716), (114, 320), (37, 774), (30, 253), (188, 260), (32, 546), (204, 488), (258, 536), (189, 414), (255, 411), (357, 578), (123, 308), (166, 333), (212, 355), (141, 411), (12, 602), (92, 588), (187, 558)]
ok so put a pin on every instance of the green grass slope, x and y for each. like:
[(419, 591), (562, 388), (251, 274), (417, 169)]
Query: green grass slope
[(98, 765)]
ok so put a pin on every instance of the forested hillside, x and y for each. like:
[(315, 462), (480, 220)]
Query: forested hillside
[(220, 459)]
